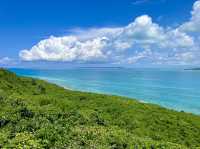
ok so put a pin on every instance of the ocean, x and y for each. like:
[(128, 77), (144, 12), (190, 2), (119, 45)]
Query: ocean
[(176, 89)]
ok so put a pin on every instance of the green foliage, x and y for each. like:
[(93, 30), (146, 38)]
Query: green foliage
[(37, 114), (23, 140)]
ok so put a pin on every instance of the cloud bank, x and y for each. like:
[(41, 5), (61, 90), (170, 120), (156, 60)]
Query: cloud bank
[(141, 41)]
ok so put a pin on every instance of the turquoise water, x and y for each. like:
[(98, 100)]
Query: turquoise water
[(175, 89)]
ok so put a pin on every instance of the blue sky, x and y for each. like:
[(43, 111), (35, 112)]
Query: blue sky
[(98, 25)]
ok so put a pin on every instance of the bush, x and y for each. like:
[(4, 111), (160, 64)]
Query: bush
[(33, 82), (41, 89), (24, 140), (26, 113), (3, 122)]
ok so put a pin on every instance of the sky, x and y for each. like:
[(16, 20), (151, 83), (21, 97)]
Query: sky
[(47, 33)]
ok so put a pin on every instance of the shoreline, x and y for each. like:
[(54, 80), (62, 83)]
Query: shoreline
[(121, 96), (56, 82)]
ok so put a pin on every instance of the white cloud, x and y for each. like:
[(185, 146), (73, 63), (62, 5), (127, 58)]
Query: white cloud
[(6, 61), (141, 40), (138, 56), (194, 24), (68, 48)]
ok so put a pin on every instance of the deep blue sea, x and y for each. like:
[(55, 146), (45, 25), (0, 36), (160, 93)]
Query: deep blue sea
[(172, 88)]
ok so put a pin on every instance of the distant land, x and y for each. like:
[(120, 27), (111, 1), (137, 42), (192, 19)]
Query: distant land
[(102, 67), (192, 69)]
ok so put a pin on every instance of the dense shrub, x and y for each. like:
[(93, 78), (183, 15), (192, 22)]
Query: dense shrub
[(36, 114), (41, 89), (3, 122), (26, 113)]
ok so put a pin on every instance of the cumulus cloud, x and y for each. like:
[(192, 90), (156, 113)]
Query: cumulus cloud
[(141, 40), (193, 25), (68, 48)]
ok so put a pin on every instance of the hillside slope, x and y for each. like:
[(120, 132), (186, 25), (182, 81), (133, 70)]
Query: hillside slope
[(37, 114)]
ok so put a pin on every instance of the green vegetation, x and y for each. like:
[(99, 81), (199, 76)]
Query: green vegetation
[(37, 114)]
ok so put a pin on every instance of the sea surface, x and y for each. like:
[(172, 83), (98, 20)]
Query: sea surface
[(172, 88)]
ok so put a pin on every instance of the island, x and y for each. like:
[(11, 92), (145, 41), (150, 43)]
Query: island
[(38, 114), (192, 69)]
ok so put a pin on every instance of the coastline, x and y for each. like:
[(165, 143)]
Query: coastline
[(53, 112), (116, 95), (83, 85)]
